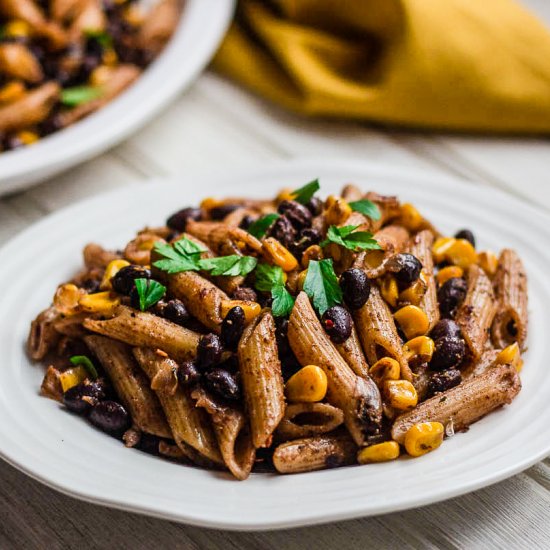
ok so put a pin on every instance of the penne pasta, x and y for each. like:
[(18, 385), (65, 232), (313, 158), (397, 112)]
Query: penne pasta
[(353, 354), (308, 420), (139, 328), (97, 256), (464, 404), (42, 335), (476, 313), (378, 334), (475, 368), (261, 378), (314, 453), (191, 427), (421, 247), (358, 398), (510, 283)]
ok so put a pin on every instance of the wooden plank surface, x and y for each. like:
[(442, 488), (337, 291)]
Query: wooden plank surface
[(214, 127)]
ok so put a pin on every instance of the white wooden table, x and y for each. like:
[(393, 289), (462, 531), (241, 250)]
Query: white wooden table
[(215, 127)]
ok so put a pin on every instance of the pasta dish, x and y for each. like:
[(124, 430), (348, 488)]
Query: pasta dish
[(289, 334)]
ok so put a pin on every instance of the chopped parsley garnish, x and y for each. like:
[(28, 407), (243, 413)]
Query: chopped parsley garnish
[(348, 237), (304, 194), (82, 360), (72, 97), (367, 208), (229, 265), (270, 278), (259, 228), (321, 285), (149, 292), (104, 38)]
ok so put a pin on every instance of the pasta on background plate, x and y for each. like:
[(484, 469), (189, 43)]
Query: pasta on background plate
[(287, 335)]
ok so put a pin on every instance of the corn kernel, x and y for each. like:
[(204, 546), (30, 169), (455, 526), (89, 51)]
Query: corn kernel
[(72, 377), (337, 210), (17, 28), (510, 355), (110, 271), (412, 320), (313, 252), (384, 369), (488, 261), (110, 57), (27, 137), (424, 437), (461, 253), (400, 394), (12, 91), (302, 279), (210, 202), (100, 76), (440, 247), (389, 290), (100, 302), (449, 272), (308, 385), (410, 217), (381, 452), (277, 254), (66, 299), (421, 347), (285, 195), (413, 294), (251, 309), (134, 15)]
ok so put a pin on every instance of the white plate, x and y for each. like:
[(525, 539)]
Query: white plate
[(202, 26), (66, 453)]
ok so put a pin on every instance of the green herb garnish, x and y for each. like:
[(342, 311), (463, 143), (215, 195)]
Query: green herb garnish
[(321, 285), (228, 265), (270, 278), (72, 97), (348, 237), (304, 194), (82, 360), (259, 228), (367, 208), (104, 38), (149, 292)]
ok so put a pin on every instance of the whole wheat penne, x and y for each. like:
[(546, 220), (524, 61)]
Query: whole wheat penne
[(353, 354), (388, 205), (378, 334), (139, 328), (308, 420), (420, 246), (351, 192), (358, 398), (510, 322), (97, 256), (464, 404), (233, 433), (72, 325), (261, 378), (476, 313), (475, 368), (42, 335), (203, 231), (314, 453), (131, 385), (190, 426)]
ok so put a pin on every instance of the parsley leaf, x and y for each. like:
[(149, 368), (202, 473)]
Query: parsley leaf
[(304, 194), (349, 238), (270, 278), (72, 97), (367, 208), (229, 265), (104, 38), (321, 285), (259, 228), (86, 363), (149, 292)]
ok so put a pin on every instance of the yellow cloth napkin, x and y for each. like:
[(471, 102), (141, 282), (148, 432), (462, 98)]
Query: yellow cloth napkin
[(446, 64)]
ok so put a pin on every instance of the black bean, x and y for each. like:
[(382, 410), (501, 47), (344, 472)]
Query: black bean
[(246, 222), (445, 327), (306, 238), (188, 374), (209, 351), (451, 295), (467, 235), (110, 416), (283, 231), (355, 287), (406, 268), (178, 220), (218, 213), (244, 293), (174, 310), (233, 326), (123, 281), (82, 397), (315, 206), (223, 383), (298, 215), (338, 323), (449, 352), (443, 381)]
